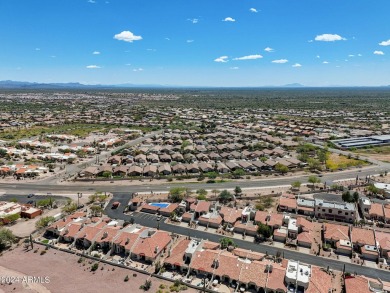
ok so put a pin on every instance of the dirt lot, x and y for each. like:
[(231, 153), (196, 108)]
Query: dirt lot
[(66, 274)]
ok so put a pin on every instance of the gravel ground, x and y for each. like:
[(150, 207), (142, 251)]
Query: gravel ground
[(67, 275)]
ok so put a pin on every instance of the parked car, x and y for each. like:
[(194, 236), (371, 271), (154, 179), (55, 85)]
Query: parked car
[(31, 195)]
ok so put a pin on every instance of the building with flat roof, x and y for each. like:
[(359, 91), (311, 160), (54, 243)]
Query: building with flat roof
[(335, 211), (360, 142)]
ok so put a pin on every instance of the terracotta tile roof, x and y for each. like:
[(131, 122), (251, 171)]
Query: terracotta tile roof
[(276, 279), (336, 232), (170, 208), (288, 201), (229, 265), (230, 215), (356, 284), (362, 236), (210, 245), (202, 206), (203, 260), (261, 217), (177, 253), (88, 232), (126, 239), (275, 220), (243, 253), (306, 225), (383, 239), (107, 234), (71, 230), (376, 209), (320, 281), (149, 207), (305, 237), (147, 246), (254, 273), (387, 211)]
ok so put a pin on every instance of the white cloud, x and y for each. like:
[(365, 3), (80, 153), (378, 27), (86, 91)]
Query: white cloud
[(297, 65), (222, 59), (128, 64), (168, 39), (379, 53), (127, 36), (53, 56), (329, 38), (95, 53), (190, 41), (93, 67), (351, 55), (268, 49), (92, 1), (193, 20), (253, 10), (325, 62), (318, 56), (385, 43), (360, 55), (138, 69), (249, 57), (280, 61), (37, 49), (234, 68), (150, 49), (229, 19)]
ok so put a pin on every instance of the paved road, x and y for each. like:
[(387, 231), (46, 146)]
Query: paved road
[(43, 187), (151, 221)]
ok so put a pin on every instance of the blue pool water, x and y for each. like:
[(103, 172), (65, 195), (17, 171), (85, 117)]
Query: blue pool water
[(161, 205)]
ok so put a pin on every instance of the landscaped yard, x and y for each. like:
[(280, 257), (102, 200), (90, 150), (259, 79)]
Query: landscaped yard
[(335, 162)]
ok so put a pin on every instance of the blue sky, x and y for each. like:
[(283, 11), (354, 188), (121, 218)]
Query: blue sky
[(196, 42)]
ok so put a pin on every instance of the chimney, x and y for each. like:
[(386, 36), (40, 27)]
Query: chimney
[(156, 249)]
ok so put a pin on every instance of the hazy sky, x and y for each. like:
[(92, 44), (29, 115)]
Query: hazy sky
[(196, 42)]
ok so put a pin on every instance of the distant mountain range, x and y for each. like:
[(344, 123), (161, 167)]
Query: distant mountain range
[(10, 84)]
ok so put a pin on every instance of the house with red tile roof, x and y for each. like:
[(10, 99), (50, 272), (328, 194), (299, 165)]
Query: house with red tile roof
[(338, 237), (287, 203), (201, 207), (230, 215), (383, 242), (151, 244), (172, 207), (177, 256), (356, 284), (376, 212), (86, 236), (147, 208)]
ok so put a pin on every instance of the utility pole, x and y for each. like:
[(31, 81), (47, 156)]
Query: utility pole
[(79, 195)]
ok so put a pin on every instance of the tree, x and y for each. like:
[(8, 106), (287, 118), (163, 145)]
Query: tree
[(44, 222), (264, 230), (201, 192), (3, 153), (226, 242), (211, 175), (372, 189), (313, 180), (96, 210), (107, 174), (281, 168), (177, 194), (44, 202), (225, 196), (70, 207), (6, 238), (215, 191), (314, 164), (296, 185), (238, 173), (347, 197), (355, 196), (237, 191)]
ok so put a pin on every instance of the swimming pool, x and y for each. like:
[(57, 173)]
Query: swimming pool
[(161, 205)]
